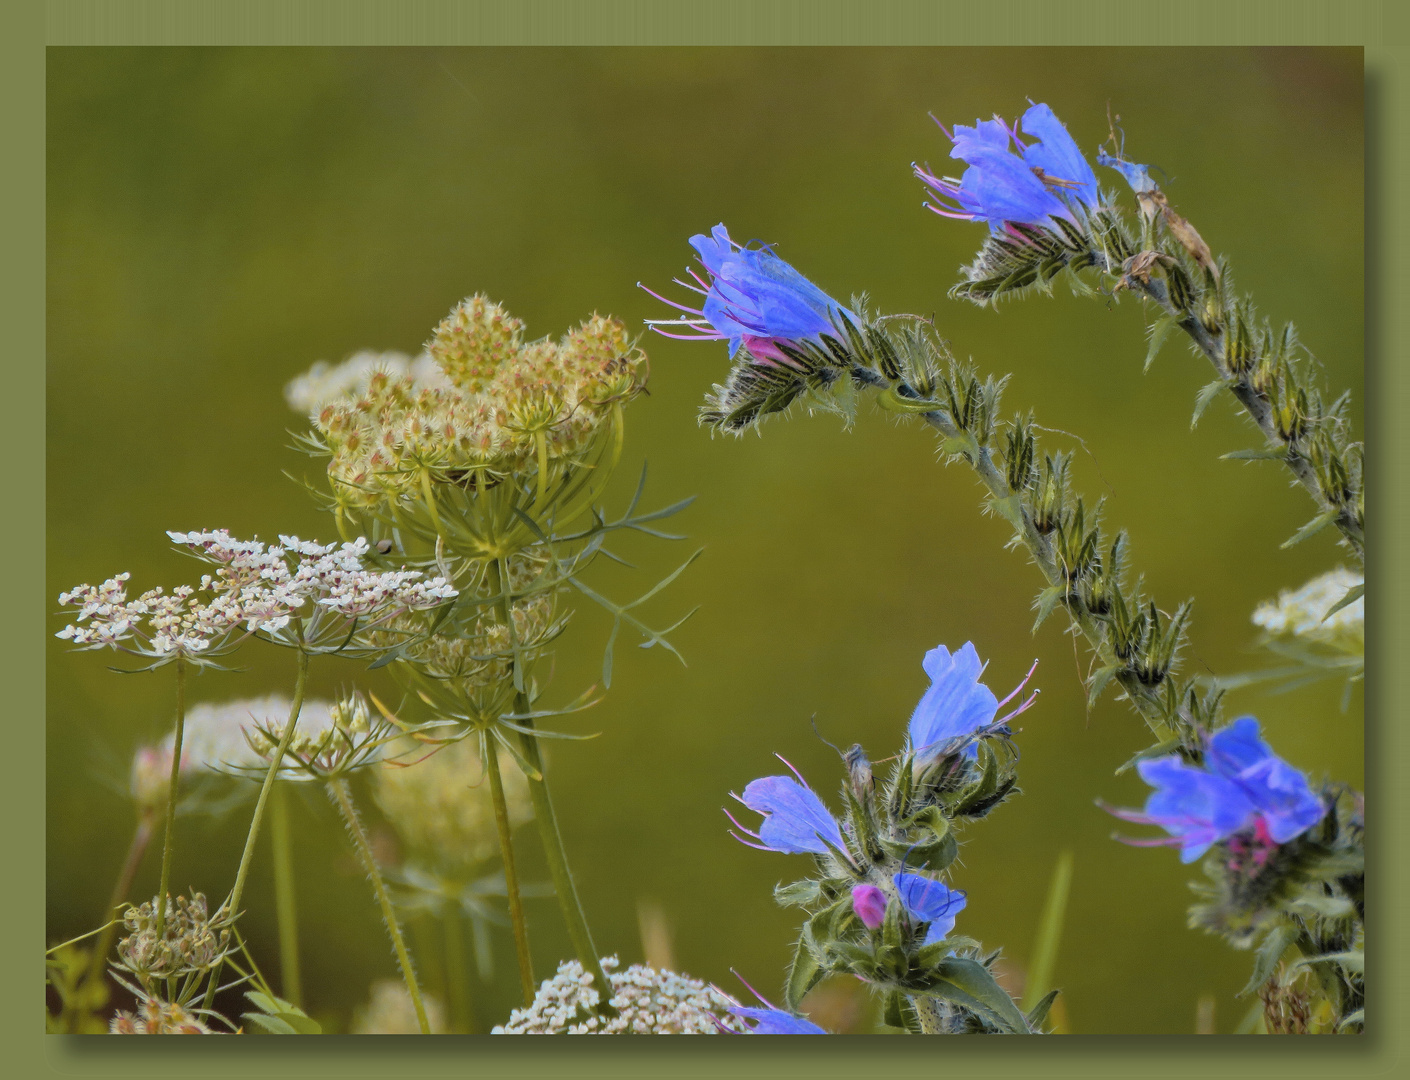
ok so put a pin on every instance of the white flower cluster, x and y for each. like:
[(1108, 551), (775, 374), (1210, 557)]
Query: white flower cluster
[(1303, 612), (325, 383), (649, 1002), (258, 588)]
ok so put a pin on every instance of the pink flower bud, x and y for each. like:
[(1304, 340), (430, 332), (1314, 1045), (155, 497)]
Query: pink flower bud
[(869, 903)]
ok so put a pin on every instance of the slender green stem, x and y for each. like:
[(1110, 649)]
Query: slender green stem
[(457, 989), (490, 751), (285, 901), (341, 796), (171, 793), (247, 856), (568, 901)]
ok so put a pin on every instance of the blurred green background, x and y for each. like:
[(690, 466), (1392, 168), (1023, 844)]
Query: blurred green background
[(219, 219)]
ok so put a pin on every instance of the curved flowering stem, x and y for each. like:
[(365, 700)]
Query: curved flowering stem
[(341, 797)]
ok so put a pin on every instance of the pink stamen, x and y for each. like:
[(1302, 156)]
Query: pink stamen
[(1162, 841), (791, 769), (672, 303), (1017, 689), (941, 126), (1021, 709), (737, 825)]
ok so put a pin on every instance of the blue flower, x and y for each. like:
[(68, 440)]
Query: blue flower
[(956, 706), (753, 298), (777, 1022), (1243, 786), (1030, 184), (795, 819), (930, 901), (1280, 793)]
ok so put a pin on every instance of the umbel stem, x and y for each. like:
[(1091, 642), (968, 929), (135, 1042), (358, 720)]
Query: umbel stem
[(341, 796), (247, 856), (490, 752)]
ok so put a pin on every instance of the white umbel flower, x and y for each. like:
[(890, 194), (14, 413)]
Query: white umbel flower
[(1303, 612)]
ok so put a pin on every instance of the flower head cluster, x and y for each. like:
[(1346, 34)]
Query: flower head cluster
[(1307, 612), (316, 589), (324, 383), (1242, 788), (191, 942), (156, 1017), (1009, 181), (439, 802), (753, 299), (648, 1002), (499, 405), (330, 739)]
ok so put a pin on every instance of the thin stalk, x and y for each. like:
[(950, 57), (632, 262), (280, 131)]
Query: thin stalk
[(457, 988), (341, 796), (568, 901), (490, 748), (171, 793), (285, 903), (247, 856)]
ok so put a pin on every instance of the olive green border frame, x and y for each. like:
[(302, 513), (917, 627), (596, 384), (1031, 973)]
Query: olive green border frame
[(24, 33)]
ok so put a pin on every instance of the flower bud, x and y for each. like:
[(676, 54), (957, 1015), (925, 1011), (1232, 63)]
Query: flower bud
[(869, 903)]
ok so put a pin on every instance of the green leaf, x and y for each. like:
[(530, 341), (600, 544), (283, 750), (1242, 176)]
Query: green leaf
[(1039, 1012), (272, 1024), (1269, 953), (1358, 1017), (1100, 678), (1205, 396), (1267, 454), (1157, 333), (798, 893), (968, 982), (1329, 907), (1047, 600), (892, 1013), (1045, 948), (1312, 528), (1351, 961), (280, 1017), (1352, 595), (806, 971)]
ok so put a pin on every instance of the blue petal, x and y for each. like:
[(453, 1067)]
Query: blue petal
[(989, 136), (957, 703), (777, 1022), (1136, 175), (795, 819), (1200, 808), (1278, 791), (1057, 155), (930, 901)]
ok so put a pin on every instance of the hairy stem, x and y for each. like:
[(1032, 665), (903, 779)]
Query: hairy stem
[(341, 796)]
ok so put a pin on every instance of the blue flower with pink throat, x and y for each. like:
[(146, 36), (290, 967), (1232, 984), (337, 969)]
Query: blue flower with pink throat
[(1009, 180), (958, 708), (929, 903), (1242, 787), (795, 820), (752, 298)]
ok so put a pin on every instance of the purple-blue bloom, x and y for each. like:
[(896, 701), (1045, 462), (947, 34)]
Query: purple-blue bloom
[(1280, 793), (956, 705), (795, 819), (930, 901), (753, 298), (1242, 786), (1030, 183), (776, 1022)]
